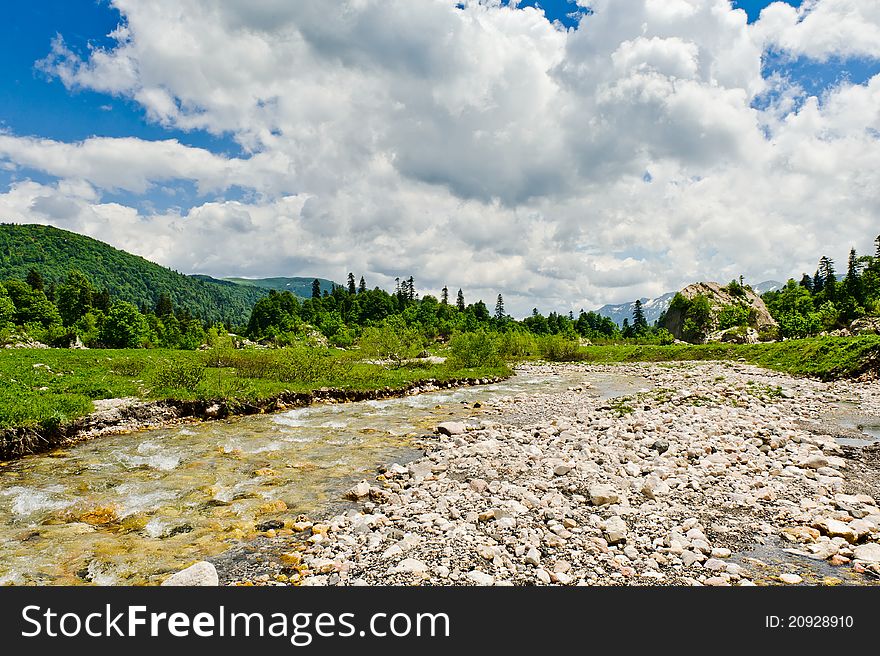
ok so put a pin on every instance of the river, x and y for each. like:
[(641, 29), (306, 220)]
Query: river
[(130, 509)]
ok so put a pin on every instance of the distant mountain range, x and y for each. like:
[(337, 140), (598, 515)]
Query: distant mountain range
[(301, 287), (654, 307)]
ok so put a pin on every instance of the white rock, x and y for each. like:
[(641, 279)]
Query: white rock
[(615, 530), (202, 573), (791, 579), (603, 495), (654, 487), (533, 557), (480, 578), (451, 428), (870, 553), (410, 566)]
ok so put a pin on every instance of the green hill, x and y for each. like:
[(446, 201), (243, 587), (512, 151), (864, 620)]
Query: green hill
[(301, 287), (54, 252)]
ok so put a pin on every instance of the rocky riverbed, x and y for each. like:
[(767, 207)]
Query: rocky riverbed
[(713, 474)]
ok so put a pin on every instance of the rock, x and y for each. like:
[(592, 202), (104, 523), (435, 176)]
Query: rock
[(715, 565), (800, 534), (603, 495), (870, 553), (720, 297), (202, 573), (834, 528), (533, 557), (212, 411), (451, 428), (791, 579), (615, 530), (410, 566), (271, 525), (358, 491), (654, 486), (561, 470), (660, 446), (814, 461), (865, 326), (480, 578)]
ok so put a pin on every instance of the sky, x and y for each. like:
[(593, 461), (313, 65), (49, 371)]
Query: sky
[(564, 153)]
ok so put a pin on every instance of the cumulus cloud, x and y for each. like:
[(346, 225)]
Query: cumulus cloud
[(478, 146)]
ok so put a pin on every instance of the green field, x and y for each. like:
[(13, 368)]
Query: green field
[(826, 358), (47, 387)]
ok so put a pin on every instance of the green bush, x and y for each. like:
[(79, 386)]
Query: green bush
[(170, 377), (472, 350), (733, 315), (392, 340), (515, 344), (557, 348)]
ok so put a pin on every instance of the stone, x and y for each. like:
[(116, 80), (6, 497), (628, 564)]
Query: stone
[(814, 461), (561, 470), (451, 428), (615, 530), (410, 566), (870, 553), (654, 487), (480, 578), (791, 579), (715, 565), (834, 528), (603, 495), (358, 491), (533, 557), (201, 573)]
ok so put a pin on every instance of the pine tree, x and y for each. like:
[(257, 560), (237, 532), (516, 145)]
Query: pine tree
[(459, 301), (853, 281), (499, 308), (164, 306), (410, 289), (817, 282), (35, 280), (807, 283), (877, 251), (351, 286), (639, 322), (316, 288), (444, 295), (362, 286)]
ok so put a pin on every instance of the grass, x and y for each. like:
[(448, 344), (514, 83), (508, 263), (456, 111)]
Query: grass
[(54, 386), (826, 358), (47, 387)]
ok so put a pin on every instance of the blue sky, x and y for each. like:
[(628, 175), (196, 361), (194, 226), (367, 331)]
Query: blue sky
[(514, 160)]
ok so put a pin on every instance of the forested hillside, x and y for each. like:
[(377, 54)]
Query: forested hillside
[(53, 253)]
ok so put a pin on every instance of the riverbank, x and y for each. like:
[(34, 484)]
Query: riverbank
[(127, 415), (715, 474)]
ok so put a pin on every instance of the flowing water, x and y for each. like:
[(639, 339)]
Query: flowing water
[(129, 509)]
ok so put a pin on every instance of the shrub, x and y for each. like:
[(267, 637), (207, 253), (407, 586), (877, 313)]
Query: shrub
[(515, 344), (392, 340), (557, 348), (733, 315), (173, 376), (472, 350)]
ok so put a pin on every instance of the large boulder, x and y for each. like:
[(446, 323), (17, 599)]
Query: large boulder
[(865, 326), (719, 298)]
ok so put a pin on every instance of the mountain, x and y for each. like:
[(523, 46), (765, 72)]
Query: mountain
[(654, 307), (767, 286), (301, 287), (53, 252)]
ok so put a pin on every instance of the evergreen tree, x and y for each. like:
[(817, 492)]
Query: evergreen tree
[(877, 243), (164, 306), (351, 286), (362, 287), (316, 288), (639, 324), (444, 295), (807, 283), (853, 281), (499, 308), (459, 301), (410, 289), (817, 282), (626, 332), (35, 280)]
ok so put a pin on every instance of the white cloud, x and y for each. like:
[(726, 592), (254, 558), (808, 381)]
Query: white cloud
[(482, 148)]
